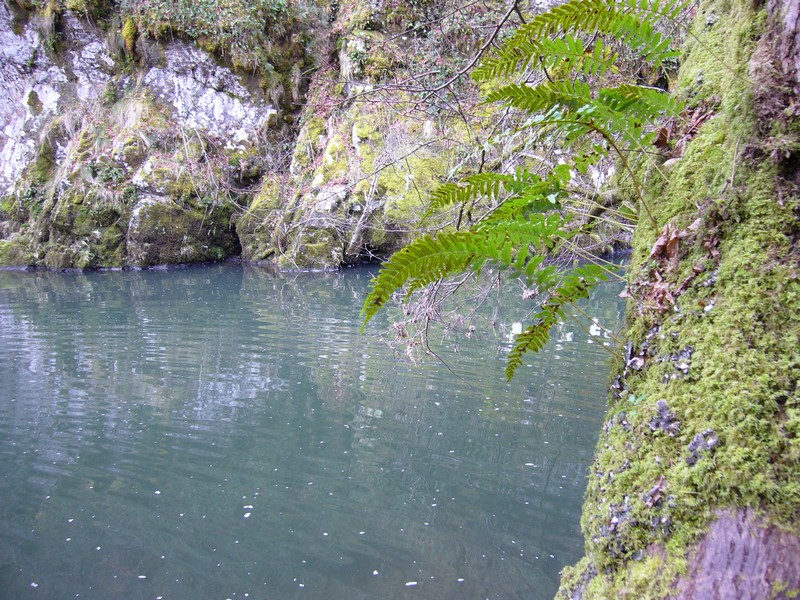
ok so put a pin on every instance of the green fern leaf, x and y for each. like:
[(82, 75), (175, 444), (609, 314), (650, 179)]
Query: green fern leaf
[(568, 94), (487, 185), (631, 22), (573, 287), (429, 258), (567, 51), (645, 102)]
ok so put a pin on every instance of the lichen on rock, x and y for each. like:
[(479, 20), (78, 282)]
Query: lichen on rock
[(89, 135)]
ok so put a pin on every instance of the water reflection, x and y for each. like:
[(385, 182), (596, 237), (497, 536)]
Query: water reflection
[(226, 432)]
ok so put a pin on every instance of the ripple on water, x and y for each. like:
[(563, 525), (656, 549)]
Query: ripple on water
[(226, 431)]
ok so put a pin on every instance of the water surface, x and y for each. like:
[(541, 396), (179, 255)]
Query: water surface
[(226, 432)]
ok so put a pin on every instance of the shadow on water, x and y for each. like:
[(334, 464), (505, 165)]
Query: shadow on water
[(227, 432)]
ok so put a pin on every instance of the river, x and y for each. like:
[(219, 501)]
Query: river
[(227, 432)]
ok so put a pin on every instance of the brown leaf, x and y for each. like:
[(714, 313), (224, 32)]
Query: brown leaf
[(667, 246), (673, 247), (698, 268), (654, 495)]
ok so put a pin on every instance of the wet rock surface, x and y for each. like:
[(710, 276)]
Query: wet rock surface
[(742, 557)]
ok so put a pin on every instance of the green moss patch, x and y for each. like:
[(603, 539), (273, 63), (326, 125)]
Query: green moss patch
[(704, 411), (163, 232)]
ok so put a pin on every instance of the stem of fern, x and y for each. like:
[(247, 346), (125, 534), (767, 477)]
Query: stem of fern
[(636, 184)]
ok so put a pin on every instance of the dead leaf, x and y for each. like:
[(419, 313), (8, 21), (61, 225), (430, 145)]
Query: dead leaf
[(698, 268), (654, 495)]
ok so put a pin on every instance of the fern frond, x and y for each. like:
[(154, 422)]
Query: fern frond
[(541, 98), (621, 112), (540, 198), (425, 260), (567, 51), (641, 101), (630, 21), (573, 286), (487, 185), (532, 339)]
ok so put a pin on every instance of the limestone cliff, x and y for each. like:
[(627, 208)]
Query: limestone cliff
[(145, 133)]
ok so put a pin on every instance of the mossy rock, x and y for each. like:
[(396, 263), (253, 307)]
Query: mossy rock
[(335, 164), (408, 185), (162, 232), (129, 33), (16, 253), (718, 360), (257, 226), (315, 249)]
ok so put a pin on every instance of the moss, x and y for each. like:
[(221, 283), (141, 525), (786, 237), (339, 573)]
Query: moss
[(716, 54), (15, 253), (41, 170), (167, 233), (722, 362), (364, 129), (110, 249), (316, 249), (131, 152), (310, 141), (257, 227), (335, 163), (129, 33), (407, 185), (34, 103)]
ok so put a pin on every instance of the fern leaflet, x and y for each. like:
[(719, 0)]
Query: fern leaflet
[(574, 285), (428, 259)]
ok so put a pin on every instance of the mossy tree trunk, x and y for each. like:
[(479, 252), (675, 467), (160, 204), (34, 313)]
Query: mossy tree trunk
[(695, 487)]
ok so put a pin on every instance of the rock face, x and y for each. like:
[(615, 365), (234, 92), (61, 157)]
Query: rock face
[(108, 163), (360, 170), (207, 97), (33, 91), (742, 557), (314, 159)]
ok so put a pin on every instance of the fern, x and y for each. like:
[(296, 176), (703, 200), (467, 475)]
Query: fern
[(569, 94), (568, 52), (526, 221), (634, 102), (425, 260), (631, 22), (487, 185), (574, 286), (550, 40)]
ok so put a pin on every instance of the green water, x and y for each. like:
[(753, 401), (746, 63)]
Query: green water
[(226, 432)]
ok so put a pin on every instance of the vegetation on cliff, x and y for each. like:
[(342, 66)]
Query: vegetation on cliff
[(339, 122), (583, 104)]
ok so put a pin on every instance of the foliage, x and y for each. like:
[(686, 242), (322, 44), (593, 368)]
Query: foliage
[(234, 27), (529, 216)]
